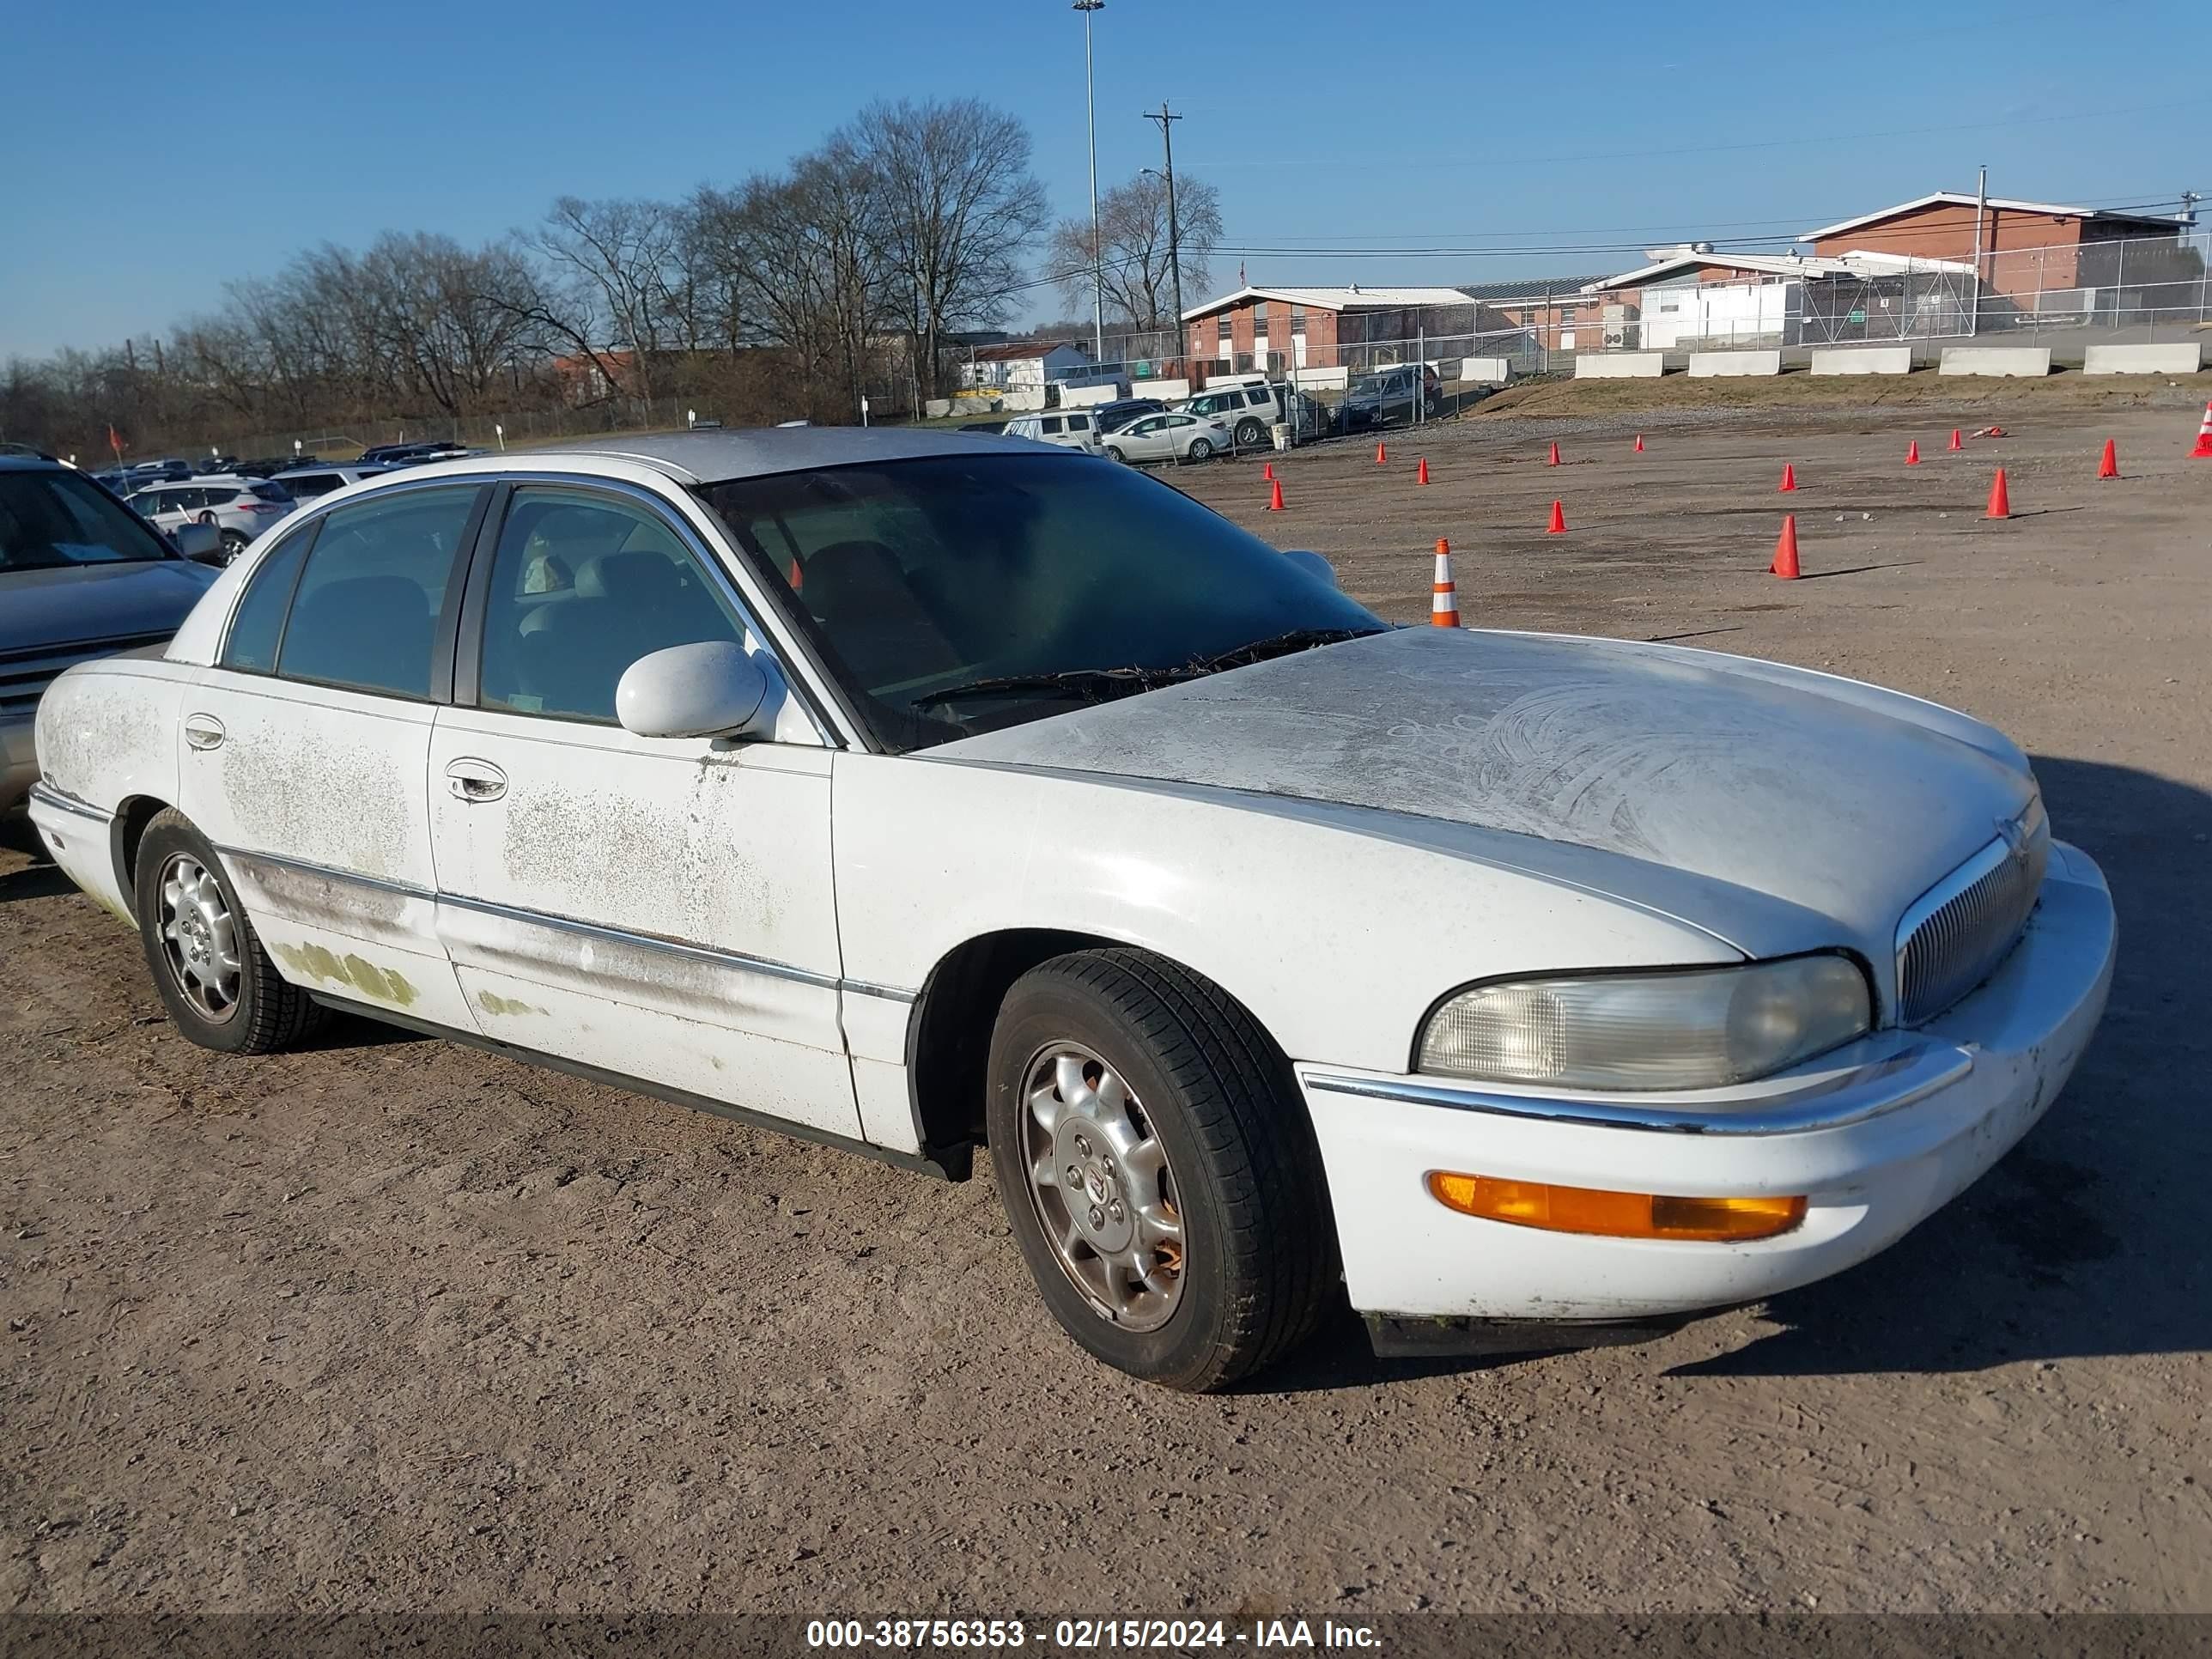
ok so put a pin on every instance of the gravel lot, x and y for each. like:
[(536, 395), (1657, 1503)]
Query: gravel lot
[(396, 1325)]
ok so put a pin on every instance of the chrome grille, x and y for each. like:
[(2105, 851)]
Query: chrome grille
[(25, 675), (1960, 932)]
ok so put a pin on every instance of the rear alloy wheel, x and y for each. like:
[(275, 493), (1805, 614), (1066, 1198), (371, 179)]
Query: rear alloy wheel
[(1158, 1168), (207, 963), (1251, 434), (1200, 450)]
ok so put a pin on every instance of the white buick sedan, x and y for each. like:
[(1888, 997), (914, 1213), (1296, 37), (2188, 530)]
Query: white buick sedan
[(921, 793)]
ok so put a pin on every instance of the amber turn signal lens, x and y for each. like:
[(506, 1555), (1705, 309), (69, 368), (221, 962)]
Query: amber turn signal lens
[(1614, 1215)]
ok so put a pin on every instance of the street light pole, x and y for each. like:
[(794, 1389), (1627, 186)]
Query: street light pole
[(1175, 238), (1098, 254)]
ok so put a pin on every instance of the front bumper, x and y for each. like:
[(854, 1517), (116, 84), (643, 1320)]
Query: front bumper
[(1879, 1134)]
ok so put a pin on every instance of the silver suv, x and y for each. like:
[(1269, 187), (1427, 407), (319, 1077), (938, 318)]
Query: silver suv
[(240, 508), (1247, 410)]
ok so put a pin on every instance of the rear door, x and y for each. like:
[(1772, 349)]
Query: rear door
[(659, 909), (304, 749)]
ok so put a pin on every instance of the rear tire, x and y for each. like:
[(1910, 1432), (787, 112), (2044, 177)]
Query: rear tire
[(1200, 450), (1251, 434), (1158, 1170), (209, 964)]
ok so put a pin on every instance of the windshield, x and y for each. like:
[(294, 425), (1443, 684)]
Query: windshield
[(48, 519), (918, 579)]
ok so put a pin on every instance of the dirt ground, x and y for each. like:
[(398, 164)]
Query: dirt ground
[(396, 1325)]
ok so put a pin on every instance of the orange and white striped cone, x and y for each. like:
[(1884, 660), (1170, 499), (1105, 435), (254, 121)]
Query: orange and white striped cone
[(1444, 597), (2203, 450)]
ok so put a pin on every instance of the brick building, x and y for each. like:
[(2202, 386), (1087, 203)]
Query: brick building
[(1272, 330), (2080, 247)]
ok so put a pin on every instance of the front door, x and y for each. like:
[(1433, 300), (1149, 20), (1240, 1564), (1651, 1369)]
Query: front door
[(303, 750), (659, 909)]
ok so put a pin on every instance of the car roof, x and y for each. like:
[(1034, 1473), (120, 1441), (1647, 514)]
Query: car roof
[(755, 452)]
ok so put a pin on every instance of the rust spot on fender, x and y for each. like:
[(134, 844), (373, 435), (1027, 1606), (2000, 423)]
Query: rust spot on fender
[(383, 984), (492, 1003)]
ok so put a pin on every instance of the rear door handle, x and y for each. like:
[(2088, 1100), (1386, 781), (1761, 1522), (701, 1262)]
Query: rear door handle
[(202, 731), (473, 779)]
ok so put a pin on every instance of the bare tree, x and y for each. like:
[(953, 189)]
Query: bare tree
[(616, 261), (1132, 252), (961, 208)]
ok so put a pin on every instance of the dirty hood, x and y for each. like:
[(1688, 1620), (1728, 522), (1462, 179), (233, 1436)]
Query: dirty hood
[(1837, 797), (84, 604)]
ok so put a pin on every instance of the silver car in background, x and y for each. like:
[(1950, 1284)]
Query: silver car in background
[(80, 578), (240, 508), (307, 483), (1169, 437)]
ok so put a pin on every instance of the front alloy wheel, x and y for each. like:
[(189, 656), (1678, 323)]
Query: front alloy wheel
[(1158, 1168), (1099, 1178)]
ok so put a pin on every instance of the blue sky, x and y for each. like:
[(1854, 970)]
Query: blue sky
[(151, 158)]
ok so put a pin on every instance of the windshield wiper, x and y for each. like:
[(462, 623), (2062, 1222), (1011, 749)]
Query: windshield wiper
[(1279, 645), (1091, 684), (1096, 684)]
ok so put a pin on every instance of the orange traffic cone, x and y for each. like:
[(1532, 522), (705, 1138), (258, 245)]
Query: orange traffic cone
[(1786, 550), (1639, 443), (2203, 450), (1912, 454), (1558, 524), (2108, 465), (1789, 476), (1275, 500), (1422, 476), (797, 577), (2000, 503), (1555, 461), (1380, 455), (1443, 597), (1268, 471), (1958, 443)]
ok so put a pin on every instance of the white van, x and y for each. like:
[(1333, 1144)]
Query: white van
[(1070, 428)]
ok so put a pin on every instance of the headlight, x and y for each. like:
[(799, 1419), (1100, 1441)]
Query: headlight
[(1693, 1029)]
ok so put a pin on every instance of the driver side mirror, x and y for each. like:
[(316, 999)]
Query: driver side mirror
[(1312, 563), (710, 689), (200, 543)]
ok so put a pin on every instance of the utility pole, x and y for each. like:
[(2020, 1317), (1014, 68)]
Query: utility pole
[(1098, 254), (1167, 121), (1981, 212)]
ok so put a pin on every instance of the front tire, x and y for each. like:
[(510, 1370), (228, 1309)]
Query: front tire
[(1113, 452), (234, 543), (1158, 1170), (209, 964)]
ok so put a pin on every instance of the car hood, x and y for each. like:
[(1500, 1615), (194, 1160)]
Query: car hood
[(83, 604), (1838, 798)]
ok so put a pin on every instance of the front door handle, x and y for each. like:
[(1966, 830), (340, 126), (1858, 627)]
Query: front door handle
[(202, 731), (473, 779)]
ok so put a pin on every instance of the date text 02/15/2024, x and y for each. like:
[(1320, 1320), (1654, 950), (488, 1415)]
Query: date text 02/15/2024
[(1082, 1635)]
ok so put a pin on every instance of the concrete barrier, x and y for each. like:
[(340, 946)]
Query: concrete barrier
[(1620, 364), (1484, 371), (2183, 359), (1703, 365), (2031, 361), (937, 408), (1166, 391), (1863, 360)]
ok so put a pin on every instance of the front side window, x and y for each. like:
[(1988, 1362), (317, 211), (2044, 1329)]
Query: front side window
[(1051, 424), (49, 519), (366, 615), (582, 586), (924, 577)]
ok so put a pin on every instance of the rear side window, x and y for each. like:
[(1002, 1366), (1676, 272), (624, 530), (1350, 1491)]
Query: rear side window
[(1050, 424), (313, 483), (270, 492), (366, 615), (217, 497), (1078, 423), (259, 622)]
